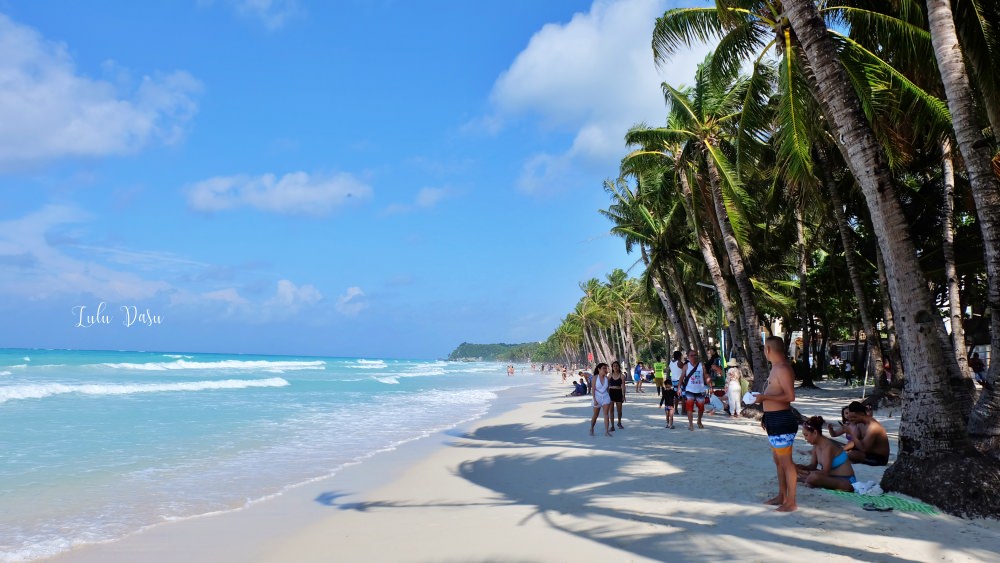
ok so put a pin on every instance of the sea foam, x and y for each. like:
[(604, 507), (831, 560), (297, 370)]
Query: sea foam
[(369, 364), (224, 364), (40, 391)]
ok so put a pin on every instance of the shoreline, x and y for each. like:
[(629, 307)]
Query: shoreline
[(154, 543), (525, 482)]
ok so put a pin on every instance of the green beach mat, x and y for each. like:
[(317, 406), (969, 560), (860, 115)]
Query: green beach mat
[(887, 500)]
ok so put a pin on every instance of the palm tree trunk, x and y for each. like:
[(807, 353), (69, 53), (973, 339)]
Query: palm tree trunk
[(629, 337), (590, 344), (948, 252), (931, 437), (686, 312), (609, 355), (853, 268), (800, 235), (720, 283), (665, 299), (696, 342), (983, 422), (743, 285)]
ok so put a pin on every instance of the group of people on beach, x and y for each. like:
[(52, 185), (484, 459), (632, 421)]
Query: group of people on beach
[(691, 385), (830, 466)]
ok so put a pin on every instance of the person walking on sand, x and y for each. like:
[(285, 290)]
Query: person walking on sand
[(696, 387), (659, 368), (601, 399), (668, 401), (616, 390), (779, 421), (637, 377), (677, 371), (734, 389)]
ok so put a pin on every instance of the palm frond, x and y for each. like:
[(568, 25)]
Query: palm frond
[(683, 27)]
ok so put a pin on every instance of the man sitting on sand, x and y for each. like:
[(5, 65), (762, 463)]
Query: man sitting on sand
[(869, 443), (579, 388)]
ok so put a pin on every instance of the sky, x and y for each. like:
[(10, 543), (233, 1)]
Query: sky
[(359, 178)]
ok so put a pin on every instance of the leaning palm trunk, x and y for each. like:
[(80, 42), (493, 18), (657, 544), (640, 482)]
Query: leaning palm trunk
[(854, 271), (630, 337), (893, 354), (948, 252), (686, 312), (665, 299), (930, 435), (695, 341), (984, 424), (592, 343), (738, 265), (609, 354), (721, 285)]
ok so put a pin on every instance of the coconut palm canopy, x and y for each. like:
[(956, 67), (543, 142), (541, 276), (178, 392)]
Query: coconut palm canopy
[(834, 167)]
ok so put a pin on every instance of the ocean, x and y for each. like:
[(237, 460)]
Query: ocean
[(98, 445)]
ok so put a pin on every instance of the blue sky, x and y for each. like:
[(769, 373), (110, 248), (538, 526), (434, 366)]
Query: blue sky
[(351, 178)]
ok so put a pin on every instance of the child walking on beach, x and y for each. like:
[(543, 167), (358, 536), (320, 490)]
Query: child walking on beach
[(668, 399)]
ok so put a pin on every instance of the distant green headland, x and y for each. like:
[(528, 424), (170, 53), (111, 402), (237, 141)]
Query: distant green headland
[(469, 352)]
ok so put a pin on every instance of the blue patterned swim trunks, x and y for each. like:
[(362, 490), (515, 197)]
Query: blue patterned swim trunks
[(781, 426)]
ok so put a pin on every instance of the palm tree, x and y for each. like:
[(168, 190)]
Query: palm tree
[(983, 422), (638, 225), (704, 117), (929, 429)]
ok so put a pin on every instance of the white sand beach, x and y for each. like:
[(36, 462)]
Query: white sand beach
[(527, 483)]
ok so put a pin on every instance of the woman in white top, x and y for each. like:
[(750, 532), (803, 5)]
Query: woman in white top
[(602, 400), (734, 389)]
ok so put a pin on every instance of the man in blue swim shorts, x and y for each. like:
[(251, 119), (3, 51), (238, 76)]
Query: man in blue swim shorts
[(780, 422)]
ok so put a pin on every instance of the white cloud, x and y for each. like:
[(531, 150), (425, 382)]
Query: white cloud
[(593, 77), (426, 198), (291, 297), (352, 302), (48, 111), (228, 295), (39, 268), (296, 193)]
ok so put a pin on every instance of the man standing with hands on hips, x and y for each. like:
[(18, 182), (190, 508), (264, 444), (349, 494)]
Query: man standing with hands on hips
[(779, 421)]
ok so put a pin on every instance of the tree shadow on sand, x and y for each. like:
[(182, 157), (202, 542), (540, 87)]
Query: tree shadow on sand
[(645, 492)]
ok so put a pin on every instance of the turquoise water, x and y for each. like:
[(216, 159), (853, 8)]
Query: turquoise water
[(97, 445)]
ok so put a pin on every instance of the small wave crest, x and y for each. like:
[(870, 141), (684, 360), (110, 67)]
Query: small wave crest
[(40, 391), (5, 372), (225, 364), (389, 380), (369, 364)]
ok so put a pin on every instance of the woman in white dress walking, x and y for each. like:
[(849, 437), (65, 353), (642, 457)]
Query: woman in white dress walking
[(601, 398)]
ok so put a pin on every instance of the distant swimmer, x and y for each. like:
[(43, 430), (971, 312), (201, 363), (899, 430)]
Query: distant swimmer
[(510, 370), (780, 422)]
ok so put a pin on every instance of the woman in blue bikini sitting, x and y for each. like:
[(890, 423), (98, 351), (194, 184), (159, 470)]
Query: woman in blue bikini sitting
[(829, 467)]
